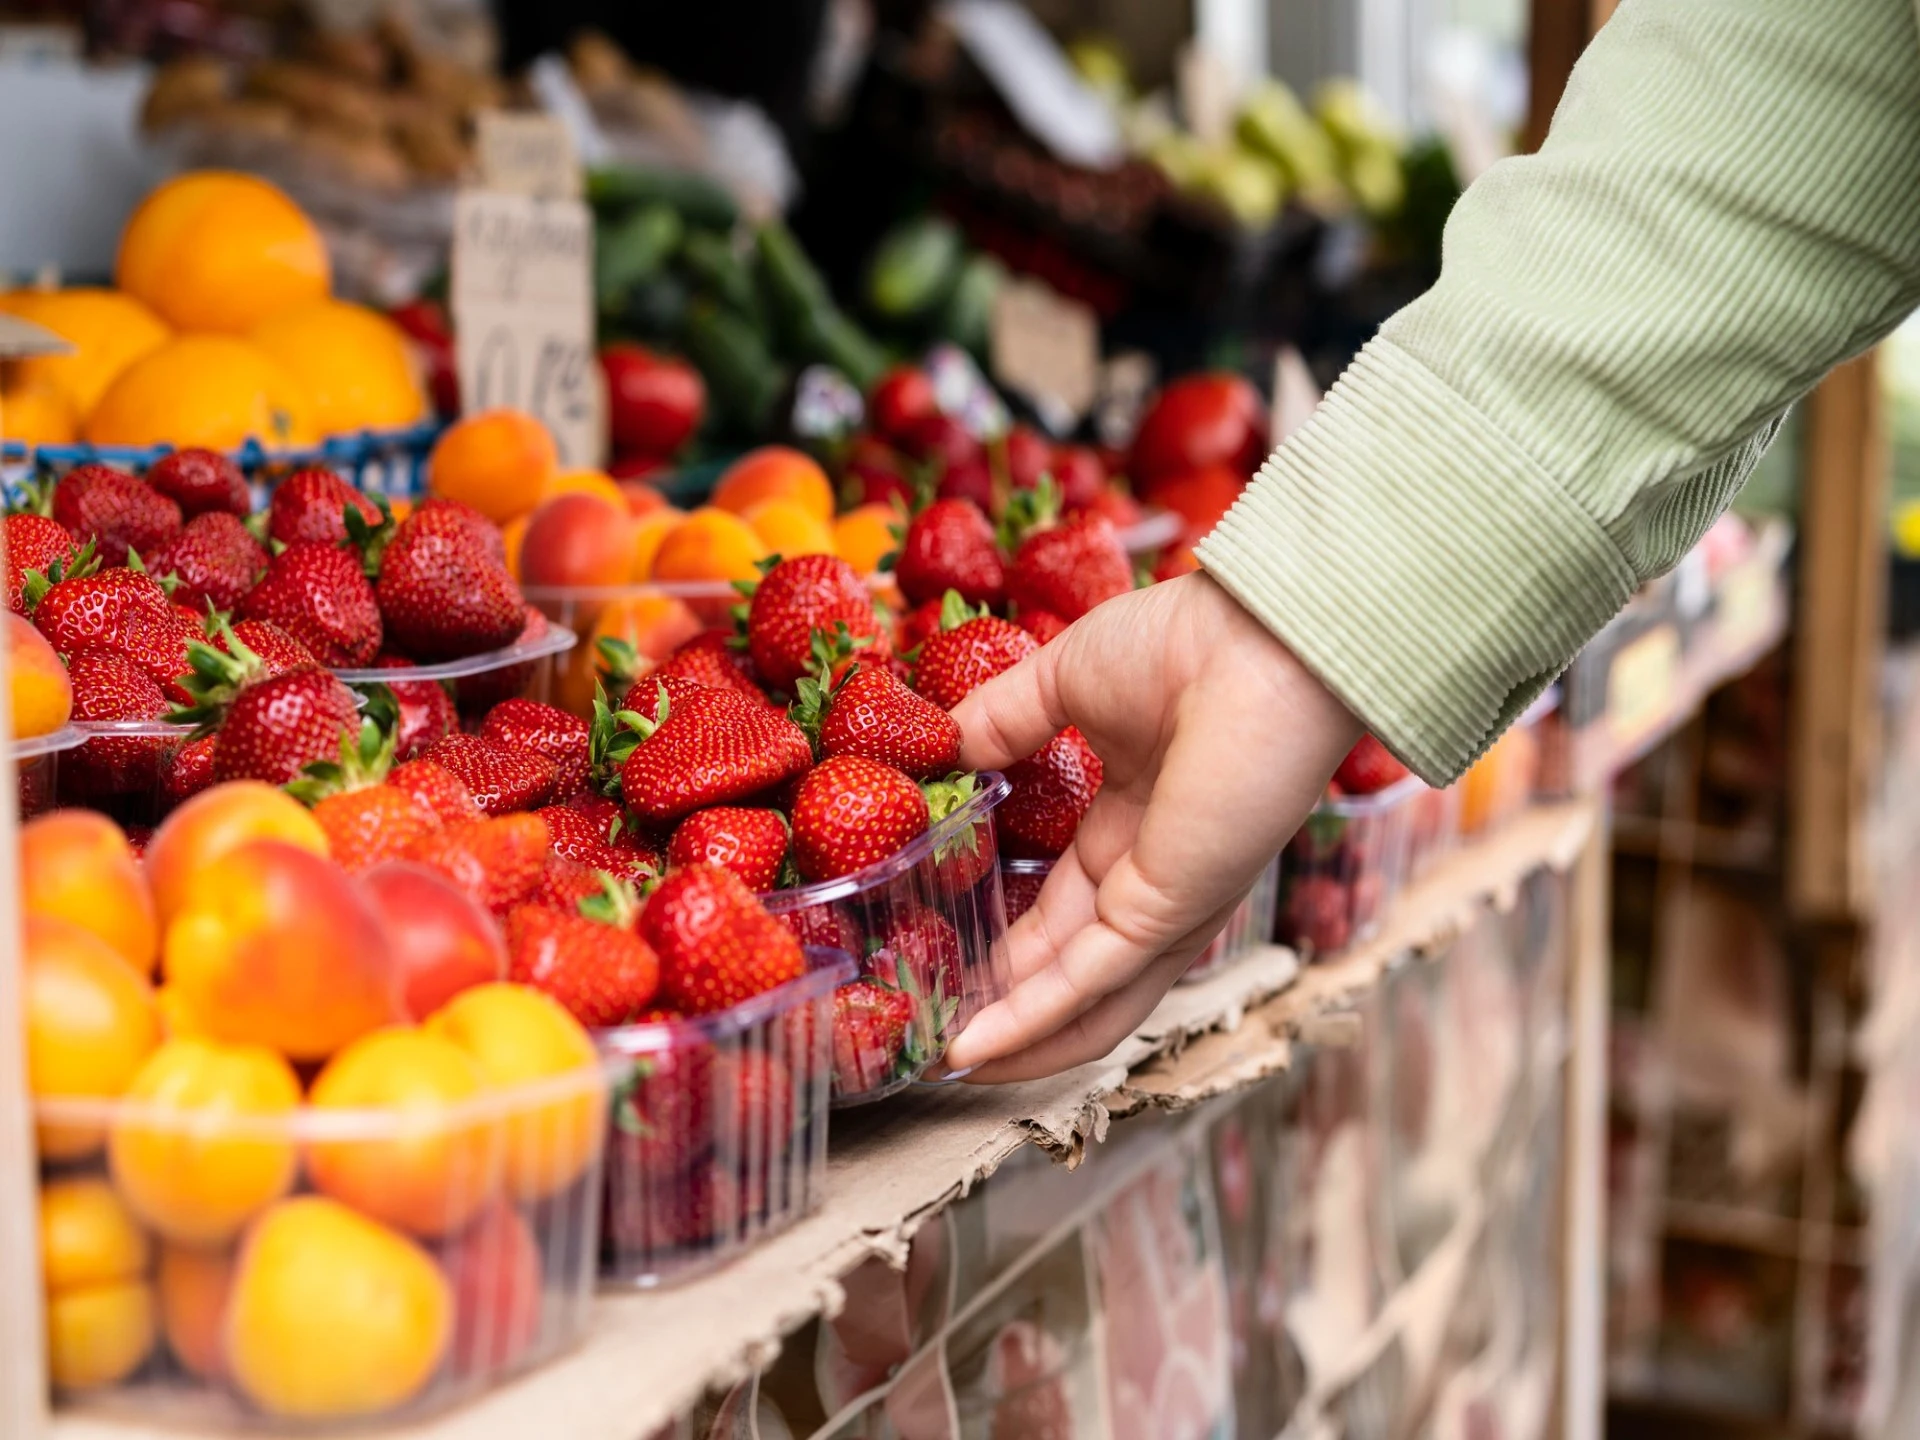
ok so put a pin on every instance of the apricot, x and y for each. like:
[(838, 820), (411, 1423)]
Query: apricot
[(585, 482), (88, 1236), (91, 1024), (441, 941), (39, 694), (76, 865), (647, 533), (217, 821), (864, 536), (578, 539), (498, 461), (653, 623), (710, 545), (194, 1285), (642, 499), (788, 528), (775, 472), (99, 1335)]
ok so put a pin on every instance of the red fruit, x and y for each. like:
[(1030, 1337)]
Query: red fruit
[(1021, 889), (1318, 914), (750, 843), (1199, 497), (926, 942), (872, 714), (318, 594), (441, 592), (1119, 507), (831, 926), (710, 658), (876, 474), (1051, 793), (654, 402), (495, 862), (186, 772), (444, 792), (602, 973), (1029, 457), (501, 778), (310, 507), (95, 611), (796, 598), (498, 1285), (1200, 420), (426, 325), (871, 1021), (114, 510), (276, 649), (970, 480), (482, 691), (1043, 625), (966, 854), (943, 442), (427, 714), (663, 1115), (950, 546), (960, 658), (372, 825), (276, 726), (1070, 568), (457, 513), (579, 838), (901, 399), (912, 629), (1080, 475), (108, 686), (563, 883), (215, 558), (717, 944), (1368, 769), (442, 941), (714, 746), (202, 482), (546, 730), (33, 542), (852, 812)]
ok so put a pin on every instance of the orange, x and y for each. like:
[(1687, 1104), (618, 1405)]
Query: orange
[(217, 821), (215, 250), (91, 1025), (108, 332), (419, 1169), (648, 531), (208, 390), (589, 482), (76, 865), (863, 537), (709, 545), (521, 1037), (94, 1258), (333, 1315), (655, 625), (39, 694), (353, 363), (208, 1142), (100, 1334), (788, 528), (498, 461), (193, 1286), (775, 472), (34, 412)]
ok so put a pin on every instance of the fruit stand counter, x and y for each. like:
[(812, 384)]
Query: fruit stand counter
[(893, 1167)]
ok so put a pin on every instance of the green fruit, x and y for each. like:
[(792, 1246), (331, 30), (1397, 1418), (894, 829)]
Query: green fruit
[(968, 317), (914, 268)]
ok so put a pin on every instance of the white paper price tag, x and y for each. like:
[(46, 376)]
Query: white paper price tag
[(1046, 346)]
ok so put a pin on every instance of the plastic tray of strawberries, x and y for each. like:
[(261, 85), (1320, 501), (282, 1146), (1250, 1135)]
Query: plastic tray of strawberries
[(474, 1228), (522, 670), (1344, 868), (928, 926), (717, 1133), (36, 766)]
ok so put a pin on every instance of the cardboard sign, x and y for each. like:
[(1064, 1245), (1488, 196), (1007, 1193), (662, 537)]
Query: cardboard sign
[(526, 153), (1047, 347)]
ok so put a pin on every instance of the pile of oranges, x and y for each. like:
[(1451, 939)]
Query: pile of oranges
[(220, 328)]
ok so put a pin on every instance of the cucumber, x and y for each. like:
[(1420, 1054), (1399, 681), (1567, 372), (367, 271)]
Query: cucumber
[(709, 260), (967, 318), (696, 199), (829, 337), (741, 372), (653, 310), (794, 287), (629, 252), (914, 269)]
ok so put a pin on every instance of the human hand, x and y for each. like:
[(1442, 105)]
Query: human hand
[(1216, 743)]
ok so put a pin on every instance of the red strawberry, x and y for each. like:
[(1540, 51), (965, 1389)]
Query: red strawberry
[(966, 852), (1022, 889), (912, 629), (1051, 793), (1043, 625), (477, 525), (444, 792), (601, 971), (717, 944), (708, 748), (563, 883), (276, 649), (202, 482), (502, 778), (546, 730), (88, 611), (368, 826), (712, 659), (796, 598), (1318, 915), (831, 926), (497, 862), (34, 542), (1070, 568), (870, 1025), (108, 686), (926, 942), (443, 593), (273, 728), (1118, 506), (575, 836), (966, 653), (426, 709), (750, 843), (663, 1112), (215, 558), (871, 713), (852, 812), (319, 595), (115, 511), (480, 692), (1081, 476), (950, 546), (1368, 769), (310, 507), (187, 771)]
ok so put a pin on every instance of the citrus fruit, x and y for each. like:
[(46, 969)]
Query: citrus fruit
[(108, 331), (864, 536), (91, 1026), (39, 694), (352, 362), (498, 461), (76, 865), (99, 1334), (34, 412), (709, 545), (193, 1286), (788, 528), (775, 472), (206, 390)]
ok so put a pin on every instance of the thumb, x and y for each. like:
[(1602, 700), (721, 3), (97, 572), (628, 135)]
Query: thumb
[(1013, 714)]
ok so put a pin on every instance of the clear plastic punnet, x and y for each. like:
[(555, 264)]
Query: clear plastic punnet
[(717, 1134), (1344, 868), (119, 767), (311, 1269), (522, 670), (36, 766), (929, 923)]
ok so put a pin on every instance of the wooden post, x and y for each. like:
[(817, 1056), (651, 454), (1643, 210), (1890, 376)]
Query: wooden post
[(1583, 1215), (1557, 33)]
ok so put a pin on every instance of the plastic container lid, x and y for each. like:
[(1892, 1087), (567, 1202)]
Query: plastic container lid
[(555, 640), (67, 737), (827, 970)]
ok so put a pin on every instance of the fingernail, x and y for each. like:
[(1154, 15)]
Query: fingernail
[(961, 1073)]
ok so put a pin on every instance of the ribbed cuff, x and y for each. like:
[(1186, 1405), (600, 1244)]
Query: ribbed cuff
[(1412, 557)]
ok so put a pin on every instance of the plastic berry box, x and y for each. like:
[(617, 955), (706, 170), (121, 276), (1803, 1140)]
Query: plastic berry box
[(929, 921), (526, 669), (1343, 869), (36, 765), (315, 1268), (717, 1134)]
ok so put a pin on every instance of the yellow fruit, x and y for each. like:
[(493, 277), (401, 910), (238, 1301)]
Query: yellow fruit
[(193, 1286), (352, 362), (39, 690), (208, 390), (589, 482), (108, 332), (863, 537), (215, 250), (91, 1026), (788, 528), (333, 1315), (99, 1334), (34, 412), (710, 545), (88, 1236)]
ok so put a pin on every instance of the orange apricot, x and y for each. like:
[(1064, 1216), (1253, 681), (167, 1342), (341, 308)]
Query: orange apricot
[(219, 820), (775, 472), (76, 865)]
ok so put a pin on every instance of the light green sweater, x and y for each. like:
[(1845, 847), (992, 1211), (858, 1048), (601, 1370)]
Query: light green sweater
[(1728, 205)]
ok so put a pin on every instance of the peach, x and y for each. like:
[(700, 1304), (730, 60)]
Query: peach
[(217, 821), (775, 472), (440, 940), (648, 531), (789, 528), (654, 624), (76, 865), (864, 536), (642, 499), (90, 1025), (494, 1267), (710, 545), (577, 539), (39, 694), (193, 1286), (274, 944), (585, 482)]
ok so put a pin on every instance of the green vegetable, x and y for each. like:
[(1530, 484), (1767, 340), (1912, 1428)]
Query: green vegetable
[(914, 269), (632, 251), (741, 373), (794, 286), (697, 200), (717, 269), (968, 316), (831, 338)]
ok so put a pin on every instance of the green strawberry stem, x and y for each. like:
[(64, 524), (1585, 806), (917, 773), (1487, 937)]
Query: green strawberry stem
[(364, 762), (86, 560)]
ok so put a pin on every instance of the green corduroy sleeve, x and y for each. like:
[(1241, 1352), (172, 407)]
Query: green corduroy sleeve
[(1728, 205)]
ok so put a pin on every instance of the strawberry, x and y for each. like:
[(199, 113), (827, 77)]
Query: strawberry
[(546, 730), (925, 941), (310, 507), (852, 812), (366, 820), (871, 713), (1043, 625), (276, 726), (114, 510), (969, 650), (576, 836), (712, 659), (477, 525), (750, 843), (870, 1025), (966, 855), (717, 944), (1051, 792), (502, 778), (589, 961), (202, 482), (913, 629), (705, 747), (441, 790), (1022, 889), (496, 861), (1070, 568), (319, 595), (663, 1109), (214, 558), (86, 610), (1119, 507), (563, 883), (34, 542), (443, 593), (481, 692), (186, 772), (1318, 914), (109, 686), (950, 545), (831, 926), (276, 649), (797, 597), (426, 712), (1368, 769)]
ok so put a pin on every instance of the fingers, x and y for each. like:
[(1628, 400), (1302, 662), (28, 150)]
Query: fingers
[(1013, 714)]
